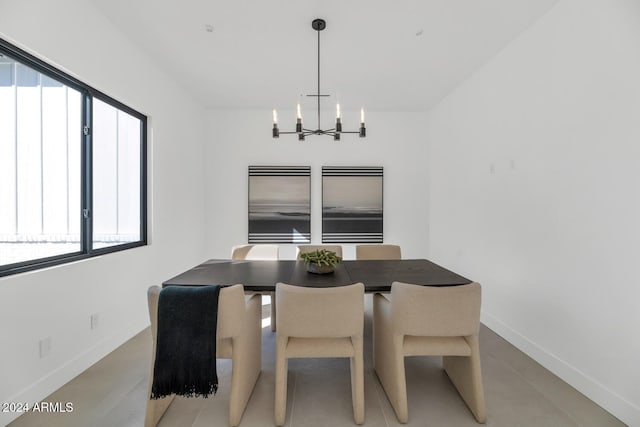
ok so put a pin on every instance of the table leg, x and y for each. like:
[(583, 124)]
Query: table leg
[(272, 296)]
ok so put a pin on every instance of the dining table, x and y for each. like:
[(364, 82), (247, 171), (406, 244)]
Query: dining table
[(262, 276)]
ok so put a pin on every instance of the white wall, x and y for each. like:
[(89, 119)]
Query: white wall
[(58, 302), (534, 192), (238, 139)]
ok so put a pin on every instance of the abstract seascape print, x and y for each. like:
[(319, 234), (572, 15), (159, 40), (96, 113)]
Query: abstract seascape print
[(279, 204), (352, 204)]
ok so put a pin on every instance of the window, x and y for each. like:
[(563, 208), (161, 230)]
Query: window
[(72, 168), (116, 176)]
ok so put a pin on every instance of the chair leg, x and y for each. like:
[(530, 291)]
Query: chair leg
[(390, 371), (246, 361), (357, 382), (280, 410), (400, 403), (389, 359), (466, 375), (156, 409)]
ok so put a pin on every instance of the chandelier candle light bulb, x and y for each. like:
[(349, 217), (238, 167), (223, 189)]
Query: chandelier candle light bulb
[(336, 136), (275, 132), (298, 119)]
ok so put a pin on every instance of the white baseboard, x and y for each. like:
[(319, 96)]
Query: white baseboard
[(42, 388), (624, 410)]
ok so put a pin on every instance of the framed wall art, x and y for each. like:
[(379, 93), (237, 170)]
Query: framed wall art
[(352, 204), (279, 204)]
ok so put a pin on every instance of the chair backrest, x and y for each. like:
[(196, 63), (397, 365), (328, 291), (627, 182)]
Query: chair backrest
[(320, 312), (231, 308), (435, 311), (310, 248), (255, 252), (378, 252)]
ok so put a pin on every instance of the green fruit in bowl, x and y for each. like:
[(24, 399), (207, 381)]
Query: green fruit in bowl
[(320, 261)]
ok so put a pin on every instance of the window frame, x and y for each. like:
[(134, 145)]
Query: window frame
[(88, 93)]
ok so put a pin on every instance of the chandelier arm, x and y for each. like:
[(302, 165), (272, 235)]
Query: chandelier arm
[(321, 131)]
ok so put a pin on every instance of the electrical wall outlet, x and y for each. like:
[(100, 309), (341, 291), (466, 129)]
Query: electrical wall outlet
[(95, 317), (45, 347)]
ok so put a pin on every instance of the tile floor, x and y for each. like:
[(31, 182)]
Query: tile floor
[(518, 392)]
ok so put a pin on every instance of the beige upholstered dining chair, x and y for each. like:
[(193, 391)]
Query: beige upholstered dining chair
[(255, 252), (378, 252), (239, 338), (259, 253), (320, 322), (429, 321), (310, 248)]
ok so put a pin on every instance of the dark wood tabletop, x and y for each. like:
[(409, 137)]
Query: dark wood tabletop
[(262, 276), (378, 275)]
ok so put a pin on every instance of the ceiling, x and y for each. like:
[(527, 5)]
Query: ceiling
[(401, 55)]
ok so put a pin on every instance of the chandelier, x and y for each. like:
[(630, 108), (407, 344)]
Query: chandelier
[(301, 131)]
